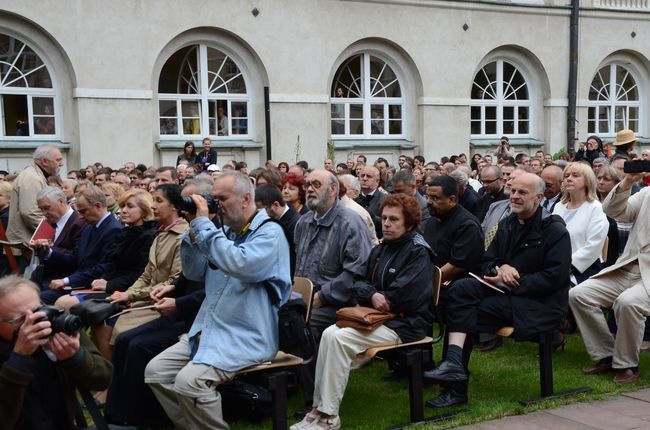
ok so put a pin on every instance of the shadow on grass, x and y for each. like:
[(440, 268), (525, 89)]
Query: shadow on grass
[(499, 379)]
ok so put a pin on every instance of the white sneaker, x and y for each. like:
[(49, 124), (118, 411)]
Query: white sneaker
[(308, 420), (332, 423)]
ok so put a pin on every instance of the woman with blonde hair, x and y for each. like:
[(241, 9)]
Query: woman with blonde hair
[(584, 218), (113, 192)]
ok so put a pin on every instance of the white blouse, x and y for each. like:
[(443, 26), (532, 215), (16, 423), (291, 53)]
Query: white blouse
[(587, 226)]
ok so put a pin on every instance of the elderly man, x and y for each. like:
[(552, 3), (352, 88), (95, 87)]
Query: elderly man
[(467, 197), (246, 275), (371, 196), (349, 190), (37, 385), (622, 286), (24, 214), (332, 247), (68, 227), (552, 176), (535, 278), (123, 180), (404, 182), (85, 262)]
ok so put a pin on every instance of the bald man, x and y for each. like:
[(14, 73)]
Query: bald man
[(530, 259)]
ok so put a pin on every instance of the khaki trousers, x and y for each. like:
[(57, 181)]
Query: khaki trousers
[(338, 347), (624, 292), (187, 391)]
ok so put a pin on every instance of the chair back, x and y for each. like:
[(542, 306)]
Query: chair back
[(305, 288)]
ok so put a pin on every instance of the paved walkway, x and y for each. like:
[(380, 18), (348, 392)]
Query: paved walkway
[(627, 411)]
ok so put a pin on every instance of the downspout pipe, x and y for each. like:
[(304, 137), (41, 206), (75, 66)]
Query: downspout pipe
[(573, 75), (267, 123)]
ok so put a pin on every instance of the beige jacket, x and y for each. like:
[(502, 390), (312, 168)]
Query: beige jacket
[(621, 206), (24, 214), (164, 263)]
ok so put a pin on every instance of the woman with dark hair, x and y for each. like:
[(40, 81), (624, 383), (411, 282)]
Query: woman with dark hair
[(189, 154), (293, 193), (283, 167), (398, 279), (474, 165)]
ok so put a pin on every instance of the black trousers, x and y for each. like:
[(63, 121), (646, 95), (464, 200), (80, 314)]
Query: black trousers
[(130, 400)]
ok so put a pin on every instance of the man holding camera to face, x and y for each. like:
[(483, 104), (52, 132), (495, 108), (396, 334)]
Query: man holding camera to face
[(246, 273), (43, 358)]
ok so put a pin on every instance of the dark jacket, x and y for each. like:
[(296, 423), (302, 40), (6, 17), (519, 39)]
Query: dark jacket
[(88, 260), (68, 239), (540, 250), (128, 255), (588, 155), (402, 270), (33, 387)]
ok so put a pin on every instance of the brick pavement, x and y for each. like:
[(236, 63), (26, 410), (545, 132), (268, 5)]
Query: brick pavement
[(623, 412)]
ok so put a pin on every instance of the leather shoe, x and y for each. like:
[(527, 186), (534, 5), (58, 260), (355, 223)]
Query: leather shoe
[(598, 368), (446, 372), (626, 376), (491, 344), (448, 398)]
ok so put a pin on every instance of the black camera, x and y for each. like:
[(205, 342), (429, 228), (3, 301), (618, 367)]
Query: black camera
[(186, 204), (61, 322), (636, 166)]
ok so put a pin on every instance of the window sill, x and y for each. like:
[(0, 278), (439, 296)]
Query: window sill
[(373, 143), (31, 144), (515, 141), (216, 144)]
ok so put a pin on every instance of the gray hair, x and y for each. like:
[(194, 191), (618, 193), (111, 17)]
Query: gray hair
[(460, 177), (540, 185), (12, 282), (202, 183), (53, 194), (44, 151), (242, 184), (350, 182)]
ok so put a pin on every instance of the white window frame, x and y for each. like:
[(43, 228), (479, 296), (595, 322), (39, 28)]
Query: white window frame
[(611, 105), (367, 100), (500, 102), (205, 97), (30, 93)]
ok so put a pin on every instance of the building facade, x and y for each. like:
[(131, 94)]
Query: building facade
[(133, 80)]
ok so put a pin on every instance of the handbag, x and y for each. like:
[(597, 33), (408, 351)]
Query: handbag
[(95, 311), (362, 318)]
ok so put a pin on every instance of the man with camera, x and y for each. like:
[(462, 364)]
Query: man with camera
[(246, 273), (622, 286), (43, 358)]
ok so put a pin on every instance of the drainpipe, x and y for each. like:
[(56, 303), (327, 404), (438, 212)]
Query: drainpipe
[(267, 123), (573, 74)]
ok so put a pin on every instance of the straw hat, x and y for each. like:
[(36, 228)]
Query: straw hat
[(624, 137)]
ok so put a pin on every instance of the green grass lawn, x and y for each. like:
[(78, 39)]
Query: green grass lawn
[(498, 381)]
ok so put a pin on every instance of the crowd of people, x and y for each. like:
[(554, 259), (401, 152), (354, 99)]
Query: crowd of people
[(557, 240)]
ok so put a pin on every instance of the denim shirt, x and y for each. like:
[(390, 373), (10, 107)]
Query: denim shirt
[(237, 323)]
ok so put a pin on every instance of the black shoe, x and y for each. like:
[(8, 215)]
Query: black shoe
[(446, 372), (448, 398)]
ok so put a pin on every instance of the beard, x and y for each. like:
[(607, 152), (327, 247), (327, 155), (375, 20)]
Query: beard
[(318, 204)]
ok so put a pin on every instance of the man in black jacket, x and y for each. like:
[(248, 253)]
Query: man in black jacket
[(530, 260), (40, 369)]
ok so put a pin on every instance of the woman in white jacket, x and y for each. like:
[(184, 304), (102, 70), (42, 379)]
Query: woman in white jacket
[(584, 218)]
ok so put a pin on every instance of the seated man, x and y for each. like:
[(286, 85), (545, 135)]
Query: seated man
[(246, 280), (87, 261), (530, 257), (622, 286), (53, 204), (37, 385)]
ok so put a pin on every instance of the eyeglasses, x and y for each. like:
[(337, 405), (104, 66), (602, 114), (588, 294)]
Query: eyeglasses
[(315, 184), (488, 181), (17, 320)]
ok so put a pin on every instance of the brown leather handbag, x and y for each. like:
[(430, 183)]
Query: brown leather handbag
[(362, 318)]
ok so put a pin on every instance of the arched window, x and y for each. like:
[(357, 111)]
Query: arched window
[(27, 97), (366, 99), (613, 101), (500, 101), (202, 91)]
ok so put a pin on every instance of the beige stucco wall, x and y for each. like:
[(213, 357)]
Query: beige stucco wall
[(108, 55)]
